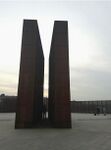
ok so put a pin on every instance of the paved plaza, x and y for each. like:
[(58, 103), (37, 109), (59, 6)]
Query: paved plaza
[(88, 132)]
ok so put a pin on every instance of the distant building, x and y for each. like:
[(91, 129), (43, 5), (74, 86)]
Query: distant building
[(91, 106), (7, 103)]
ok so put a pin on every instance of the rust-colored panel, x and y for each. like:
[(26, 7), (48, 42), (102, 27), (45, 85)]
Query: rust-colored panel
[(30, 88), (59, 79)]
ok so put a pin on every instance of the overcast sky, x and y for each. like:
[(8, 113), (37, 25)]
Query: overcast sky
[(89, 43)]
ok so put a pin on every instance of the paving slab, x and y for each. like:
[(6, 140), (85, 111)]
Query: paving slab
[(88, 132)]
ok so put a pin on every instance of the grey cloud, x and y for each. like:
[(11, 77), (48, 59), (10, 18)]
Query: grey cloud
[(90, 84)]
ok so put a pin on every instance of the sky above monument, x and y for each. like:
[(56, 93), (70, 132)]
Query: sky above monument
[(89, 43)]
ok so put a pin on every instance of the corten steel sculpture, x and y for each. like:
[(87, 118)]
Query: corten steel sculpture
[(59, 80), (30, 89)]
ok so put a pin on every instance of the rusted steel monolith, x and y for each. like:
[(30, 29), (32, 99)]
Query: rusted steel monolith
[(30, 88), (59, 79)]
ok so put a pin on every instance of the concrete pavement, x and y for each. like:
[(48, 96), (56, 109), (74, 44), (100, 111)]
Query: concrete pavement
[(88, 132)]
